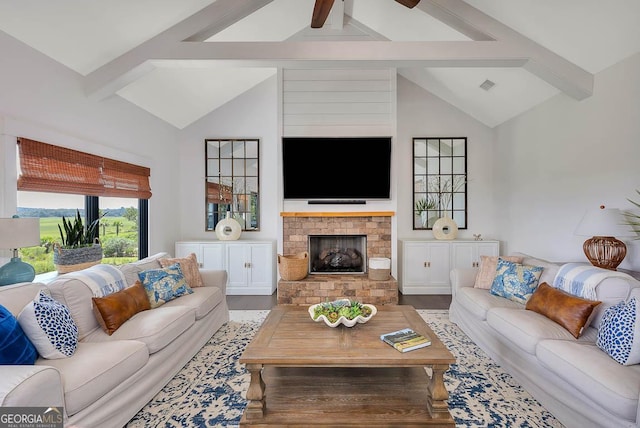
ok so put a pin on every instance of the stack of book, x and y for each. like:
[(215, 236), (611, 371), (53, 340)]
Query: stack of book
[(405, 340)]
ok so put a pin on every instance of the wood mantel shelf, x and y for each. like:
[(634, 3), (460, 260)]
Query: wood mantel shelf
[(338, 214)]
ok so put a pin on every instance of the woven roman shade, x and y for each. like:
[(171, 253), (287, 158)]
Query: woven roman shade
[(54, 169), (218, 194)]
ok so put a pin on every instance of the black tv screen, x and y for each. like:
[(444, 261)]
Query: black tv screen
[(347, 168)]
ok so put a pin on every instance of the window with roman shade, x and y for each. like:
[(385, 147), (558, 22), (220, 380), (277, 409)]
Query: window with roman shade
[(48, 168)]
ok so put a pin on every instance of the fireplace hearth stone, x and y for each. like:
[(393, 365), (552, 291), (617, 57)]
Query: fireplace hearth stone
[(328, 287)]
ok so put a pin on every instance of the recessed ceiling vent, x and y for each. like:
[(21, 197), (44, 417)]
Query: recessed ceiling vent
[(487, 84)]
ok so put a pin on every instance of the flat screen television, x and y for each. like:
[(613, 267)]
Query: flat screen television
[(336, 168)]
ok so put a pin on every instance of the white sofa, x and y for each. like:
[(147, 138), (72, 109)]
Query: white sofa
[(110, 378), (572, 378)]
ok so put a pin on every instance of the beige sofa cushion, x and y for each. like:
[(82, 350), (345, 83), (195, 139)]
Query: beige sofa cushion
[(15, 297), (97, 368), (156, 328), (202, 300), (131, 270), (591, 371), (549, 269), (478, 301), (76, 296), (30, 386), (526, 328)]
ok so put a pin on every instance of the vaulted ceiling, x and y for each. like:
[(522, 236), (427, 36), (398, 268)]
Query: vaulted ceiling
[(180, 60)]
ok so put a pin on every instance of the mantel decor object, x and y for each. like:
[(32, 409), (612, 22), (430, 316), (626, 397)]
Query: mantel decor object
[(17, 233), (603, 250), (228, 229), (445, 228)]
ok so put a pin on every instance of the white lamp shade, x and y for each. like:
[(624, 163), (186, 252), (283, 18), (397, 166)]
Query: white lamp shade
[(19, 232), (603, 222)]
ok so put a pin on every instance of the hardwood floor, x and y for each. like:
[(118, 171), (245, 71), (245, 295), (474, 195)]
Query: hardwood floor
[(426, 301)]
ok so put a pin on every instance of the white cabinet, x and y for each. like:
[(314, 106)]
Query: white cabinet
[(209, 255), (250, 265), (426, 264), (467, 254), (250, 268), (425, 268)]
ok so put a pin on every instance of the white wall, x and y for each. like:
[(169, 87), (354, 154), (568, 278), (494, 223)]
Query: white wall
[(564, 157), (422, 114), (43, 100), (251, 115)]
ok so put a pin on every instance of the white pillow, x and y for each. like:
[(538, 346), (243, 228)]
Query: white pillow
[(50, 327), (619, 332)]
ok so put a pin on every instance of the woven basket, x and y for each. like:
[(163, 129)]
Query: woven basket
[(294, 267), (74, 259)]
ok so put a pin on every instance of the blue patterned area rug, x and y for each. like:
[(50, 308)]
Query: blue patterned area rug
[(210, 390)]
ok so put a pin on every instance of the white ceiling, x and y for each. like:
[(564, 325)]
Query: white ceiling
[(531, 49)]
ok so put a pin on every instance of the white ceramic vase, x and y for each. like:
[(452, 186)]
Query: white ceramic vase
[(228, 229), (445, 228)]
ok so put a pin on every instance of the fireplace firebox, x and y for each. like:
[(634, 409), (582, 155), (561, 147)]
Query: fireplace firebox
[(338, 254)]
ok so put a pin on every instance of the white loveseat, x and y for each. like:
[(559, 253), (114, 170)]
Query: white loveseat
[(110, 378), (574, 379)]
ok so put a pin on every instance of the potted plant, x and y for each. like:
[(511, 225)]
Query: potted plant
[(633, 219), (80, 246)]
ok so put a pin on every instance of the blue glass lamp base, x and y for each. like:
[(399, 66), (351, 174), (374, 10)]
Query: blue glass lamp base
[(16, 271)]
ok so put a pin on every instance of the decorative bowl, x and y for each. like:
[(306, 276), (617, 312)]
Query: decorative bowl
[(360, 319)]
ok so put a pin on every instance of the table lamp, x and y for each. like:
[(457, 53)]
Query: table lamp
[(16, 233), (603, 249)]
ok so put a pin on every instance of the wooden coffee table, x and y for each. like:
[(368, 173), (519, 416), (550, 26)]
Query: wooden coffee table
[(304, 373)]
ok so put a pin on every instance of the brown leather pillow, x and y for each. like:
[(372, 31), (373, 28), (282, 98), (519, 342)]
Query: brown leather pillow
[(571, 312), (189, 268), (113, 310)]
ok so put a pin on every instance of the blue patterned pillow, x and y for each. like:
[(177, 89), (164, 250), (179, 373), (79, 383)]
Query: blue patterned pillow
[(49, 325), (163, 285), (619, 332), (15, 347), (515, 281)]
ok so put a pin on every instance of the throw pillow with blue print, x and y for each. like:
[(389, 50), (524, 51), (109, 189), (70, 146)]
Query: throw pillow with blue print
[(515, 281), (50, 327), (619, 332), (163, 285)]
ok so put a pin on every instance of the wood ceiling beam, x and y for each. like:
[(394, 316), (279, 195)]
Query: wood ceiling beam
[(543, 63), (130, 66), (350, 53)]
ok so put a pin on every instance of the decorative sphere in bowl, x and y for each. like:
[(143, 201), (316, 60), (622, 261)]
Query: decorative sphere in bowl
[(342, 311)]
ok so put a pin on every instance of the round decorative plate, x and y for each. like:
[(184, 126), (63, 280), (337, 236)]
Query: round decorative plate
[(343, 320)]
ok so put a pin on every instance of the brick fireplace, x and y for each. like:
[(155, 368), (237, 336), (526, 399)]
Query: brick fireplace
[(375, 226)]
